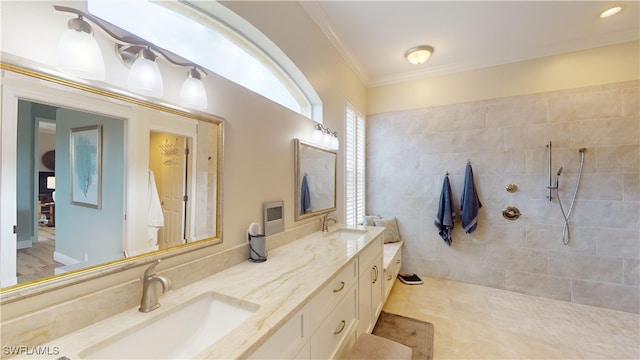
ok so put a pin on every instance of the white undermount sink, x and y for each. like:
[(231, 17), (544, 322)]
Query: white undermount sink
[(180, 333), (348, 233)]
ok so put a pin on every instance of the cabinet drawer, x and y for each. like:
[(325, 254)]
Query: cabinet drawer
[(331, 294), (336, 328), (369, 255)]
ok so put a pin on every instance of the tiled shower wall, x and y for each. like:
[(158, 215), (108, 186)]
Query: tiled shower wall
[(505, 140)]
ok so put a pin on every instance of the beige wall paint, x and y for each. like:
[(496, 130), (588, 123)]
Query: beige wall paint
[(598, 66)]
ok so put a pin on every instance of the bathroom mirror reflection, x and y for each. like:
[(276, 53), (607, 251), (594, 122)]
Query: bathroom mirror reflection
[(98, 178), (315, 179)]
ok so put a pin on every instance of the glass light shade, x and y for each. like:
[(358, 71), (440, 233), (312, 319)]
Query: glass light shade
[(327, 139), (78, 54), (317, 135), (418, 54), (335, 143), (193, 95), (145, 78)]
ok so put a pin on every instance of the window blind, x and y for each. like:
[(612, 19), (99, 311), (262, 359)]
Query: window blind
[(354, 165)]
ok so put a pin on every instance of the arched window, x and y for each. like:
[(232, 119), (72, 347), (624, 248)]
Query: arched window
[(220, 41)]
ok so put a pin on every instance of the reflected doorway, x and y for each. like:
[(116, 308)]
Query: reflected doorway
[(169, 163), (35, 256)]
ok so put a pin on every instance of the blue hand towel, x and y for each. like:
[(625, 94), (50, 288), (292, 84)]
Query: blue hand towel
[(446, 212), (305, 197), (469, 203)]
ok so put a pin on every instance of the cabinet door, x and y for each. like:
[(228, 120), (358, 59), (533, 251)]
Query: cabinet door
[(289, 341), (364, 302), (377, 289), (370, 299)]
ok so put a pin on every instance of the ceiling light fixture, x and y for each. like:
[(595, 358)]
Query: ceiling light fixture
[(418, 54), (610, 12), (78, 53)]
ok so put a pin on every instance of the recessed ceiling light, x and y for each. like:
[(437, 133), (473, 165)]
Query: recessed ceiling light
[(610, 12), (418, 54)]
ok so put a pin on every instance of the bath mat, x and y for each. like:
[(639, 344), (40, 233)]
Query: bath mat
[(416, 334)]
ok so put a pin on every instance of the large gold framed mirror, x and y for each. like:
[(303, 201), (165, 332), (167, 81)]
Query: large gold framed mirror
[(315, 170), (93, 178)]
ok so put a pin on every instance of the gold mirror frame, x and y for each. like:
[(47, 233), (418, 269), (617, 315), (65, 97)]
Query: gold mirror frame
[(298, 156), (34, 287)]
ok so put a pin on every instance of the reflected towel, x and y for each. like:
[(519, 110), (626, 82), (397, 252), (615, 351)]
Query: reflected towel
[(469, 203), (305, 196), (446, 212), (155, 217)]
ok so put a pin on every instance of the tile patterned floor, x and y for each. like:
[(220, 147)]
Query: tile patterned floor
[(476, 322)]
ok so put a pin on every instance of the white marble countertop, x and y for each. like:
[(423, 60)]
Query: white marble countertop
[(280, 286)]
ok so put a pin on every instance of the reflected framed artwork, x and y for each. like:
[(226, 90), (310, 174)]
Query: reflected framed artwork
[(86, 166)]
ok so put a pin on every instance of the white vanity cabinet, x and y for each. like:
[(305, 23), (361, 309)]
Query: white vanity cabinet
[(327, 326), (323, 327), (370, 281)]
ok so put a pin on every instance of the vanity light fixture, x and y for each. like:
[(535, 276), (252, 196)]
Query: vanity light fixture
[(418, 54), (325, 137), (610, 12), (136, 53), (78, 53), (193, 95)]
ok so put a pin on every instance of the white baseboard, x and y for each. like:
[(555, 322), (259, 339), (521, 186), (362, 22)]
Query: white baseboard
[(64, 259)]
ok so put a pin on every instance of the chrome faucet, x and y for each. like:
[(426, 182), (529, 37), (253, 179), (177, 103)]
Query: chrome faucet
[(149, 301), (325, 222)]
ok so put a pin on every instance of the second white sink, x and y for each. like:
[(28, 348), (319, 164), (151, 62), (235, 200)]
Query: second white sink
[(181, 333), (349, 233)]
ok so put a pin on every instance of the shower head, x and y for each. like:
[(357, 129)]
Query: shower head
[(582, 150), (558, 177)]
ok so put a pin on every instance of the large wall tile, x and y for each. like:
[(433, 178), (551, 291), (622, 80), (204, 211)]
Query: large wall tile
[(586, 267), (619, 242), (539, 285), (632, 272), (610, 296)]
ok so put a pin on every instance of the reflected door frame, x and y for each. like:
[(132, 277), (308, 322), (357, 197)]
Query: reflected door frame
[(173, 180)]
